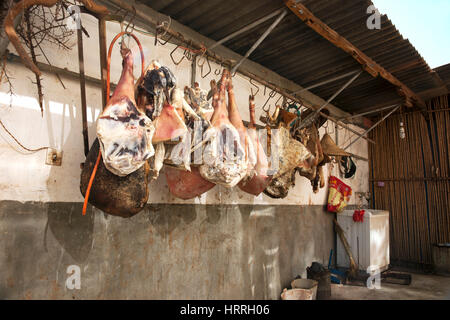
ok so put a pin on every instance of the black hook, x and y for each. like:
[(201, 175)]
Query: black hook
[(173, 60), (201, 68), (271, 95), (165, 42), (218, 71), (251, 89)]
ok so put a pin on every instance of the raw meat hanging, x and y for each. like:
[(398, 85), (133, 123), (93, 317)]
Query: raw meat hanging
[(228, 151), (125, 133), (258, 178), (115, 195), (152, 92)]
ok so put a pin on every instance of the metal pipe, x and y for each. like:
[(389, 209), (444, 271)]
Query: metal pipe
[(342, 125), (83, 91), (103, 57), (193, 70), (374, 126), (13, 58), (327, 81), (246, 28), (261, 39), (309, 120), (369, 112)]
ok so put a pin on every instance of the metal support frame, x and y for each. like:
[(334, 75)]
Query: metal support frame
[(348, 74), (309, 120), (193, 70), (103, 57), (261, 39), (370, 112), (83, 91), (246, 28), (374, 126)]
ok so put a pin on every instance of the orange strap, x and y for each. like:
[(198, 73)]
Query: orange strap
[(108, 74)]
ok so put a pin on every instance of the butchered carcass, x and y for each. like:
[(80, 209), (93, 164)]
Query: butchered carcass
[(228, 152), (291, 155), (119, 195), (152, 92), (259, 177), (309, 136), (152, 95), (125, 133)]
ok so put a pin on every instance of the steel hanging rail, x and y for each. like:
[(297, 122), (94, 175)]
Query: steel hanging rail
[(306, 122), (246, 28), (319, 84), (261, 39), (373, 127), (370, 112)]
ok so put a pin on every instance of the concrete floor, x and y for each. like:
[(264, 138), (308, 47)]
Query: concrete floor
[(422, 287)]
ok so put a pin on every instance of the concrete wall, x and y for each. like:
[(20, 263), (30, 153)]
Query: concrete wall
[(166, 252), (221, 245)]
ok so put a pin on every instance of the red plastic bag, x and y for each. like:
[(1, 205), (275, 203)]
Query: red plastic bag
[(338, 196)]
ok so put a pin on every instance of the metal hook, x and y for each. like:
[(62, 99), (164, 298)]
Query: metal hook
[(271, 95), (201, 69), (251, 89), (165, 42), (218, 71), (131, 22), (173, 60)]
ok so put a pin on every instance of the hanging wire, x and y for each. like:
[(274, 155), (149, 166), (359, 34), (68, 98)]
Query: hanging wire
[(18, 142)]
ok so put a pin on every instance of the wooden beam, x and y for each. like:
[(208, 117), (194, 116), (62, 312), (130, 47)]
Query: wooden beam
[(367, 63)]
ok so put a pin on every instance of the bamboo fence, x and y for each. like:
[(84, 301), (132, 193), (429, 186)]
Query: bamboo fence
[(415, 172)]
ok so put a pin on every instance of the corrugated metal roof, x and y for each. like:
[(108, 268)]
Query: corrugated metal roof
[(298, 53), (444, 74)]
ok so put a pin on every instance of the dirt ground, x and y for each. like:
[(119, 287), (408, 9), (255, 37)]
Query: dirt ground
[(422, 287)]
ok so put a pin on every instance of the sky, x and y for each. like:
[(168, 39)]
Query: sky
[(425, 23)]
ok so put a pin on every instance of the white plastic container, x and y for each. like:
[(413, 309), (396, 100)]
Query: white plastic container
[(368, 240)]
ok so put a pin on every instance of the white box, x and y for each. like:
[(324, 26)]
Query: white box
[(368, 240)]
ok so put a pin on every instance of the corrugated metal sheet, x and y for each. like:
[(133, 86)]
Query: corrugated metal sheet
[(298, 53), (444, 74)]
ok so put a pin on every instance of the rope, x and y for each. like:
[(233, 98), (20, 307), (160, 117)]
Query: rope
[(108, 89)]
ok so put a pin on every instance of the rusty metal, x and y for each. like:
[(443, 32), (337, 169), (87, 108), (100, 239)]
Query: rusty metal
[(201, 67), (182, 58), (254, 85)]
